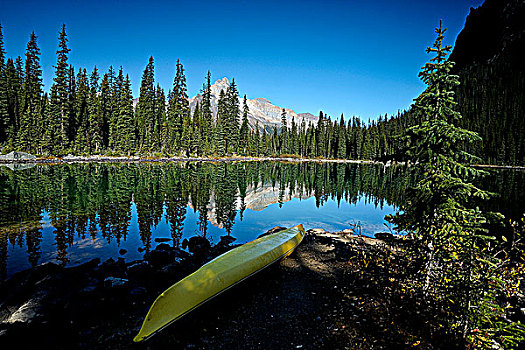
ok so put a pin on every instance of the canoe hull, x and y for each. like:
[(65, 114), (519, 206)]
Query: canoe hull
[(216, 276)]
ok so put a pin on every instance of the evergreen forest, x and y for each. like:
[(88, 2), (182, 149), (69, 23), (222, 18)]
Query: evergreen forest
[(93, 112)]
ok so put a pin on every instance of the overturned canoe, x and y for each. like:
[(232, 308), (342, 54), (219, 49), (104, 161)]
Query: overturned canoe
[(217, 276)]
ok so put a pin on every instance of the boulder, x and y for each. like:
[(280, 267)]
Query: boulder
[(197, 245), (164, 254), (316, 231), (26, 312), (139, 269), (385, 236)]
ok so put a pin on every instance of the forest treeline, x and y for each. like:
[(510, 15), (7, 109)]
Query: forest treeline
[(92, 112), (96, 200)]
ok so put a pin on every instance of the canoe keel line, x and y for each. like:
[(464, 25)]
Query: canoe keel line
[(217, 276)]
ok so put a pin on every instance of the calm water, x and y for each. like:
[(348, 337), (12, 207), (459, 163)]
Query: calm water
[(73, 213)]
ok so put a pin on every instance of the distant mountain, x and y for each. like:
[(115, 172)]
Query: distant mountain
[(490, 60), (267, 114), (257, 198)]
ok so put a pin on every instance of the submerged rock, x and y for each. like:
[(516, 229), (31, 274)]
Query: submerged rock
[(226, 240), (272, 230), (138, 291), (115, 282)]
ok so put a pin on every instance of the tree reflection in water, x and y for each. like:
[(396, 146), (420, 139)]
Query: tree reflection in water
[(95, 200)]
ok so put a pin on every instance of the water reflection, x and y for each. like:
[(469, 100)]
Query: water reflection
[(49, 212)]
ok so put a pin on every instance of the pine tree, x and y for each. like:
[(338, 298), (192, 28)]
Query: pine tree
[(82, 110), (197, 142), (263, 145), (232, 118), (31, 118), (113, 83), (145, 110), (459, 272), (319, 136), (187, 135), (94, 140), (284, 134), (60, 123), (207, 117), (255, 140), (14, 100), (116, 86), (243, 132), (126, 122), (160, 117), (4, 99), (221, 125), (71, 102), (178, 108), (341, 139), (294, 138)]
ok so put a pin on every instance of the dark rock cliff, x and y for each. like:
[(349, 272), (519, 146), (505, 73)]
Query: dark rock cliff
[(490, 61)]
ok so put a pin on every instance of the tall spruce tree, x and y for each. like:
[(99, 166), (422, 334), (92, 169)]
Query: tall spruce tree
[(197, 143), (207, 117), (82, 110), (126, 129), (14, 100), (243, 132), (59, 119), (232, 123), (31, 118), (94, 140), (178, 109), (341, 139), (221, 125), (160, 117), (294, 138), (145, 110), (4, 100), (459, 272), (284, 133)]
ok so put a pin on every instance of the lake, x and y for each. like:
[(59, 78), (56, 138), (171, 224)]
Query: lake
[(72, 213)]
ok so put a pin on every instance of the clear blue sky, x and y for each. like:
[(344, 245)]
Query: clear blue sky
[(353, 57)]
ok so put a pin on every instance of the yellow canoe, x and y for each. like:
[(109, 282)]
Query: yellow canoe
[(217, 276)]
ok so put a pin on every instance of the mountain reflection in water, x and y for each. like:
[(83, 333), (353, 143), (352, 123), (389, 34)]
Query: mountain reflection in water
[(72, 213)]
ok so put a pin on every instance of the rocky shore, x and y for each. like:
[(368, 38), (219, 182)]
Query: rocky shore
[(102, 304), (336, 291), (25, 158)]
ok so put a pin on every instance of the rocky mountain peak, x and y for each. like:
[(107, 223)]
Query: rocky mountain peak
[(262, 111), (220, 84), (495, 30)]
